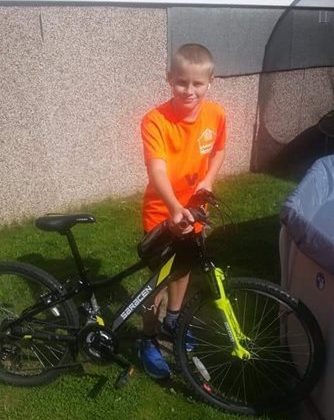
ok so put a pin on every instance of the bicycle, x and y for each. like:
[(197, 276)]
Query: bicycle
[(253, 348)]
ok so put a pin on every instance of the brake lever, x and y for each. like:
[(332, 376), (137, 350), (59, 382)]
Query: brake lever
[(200, 215), (202, 197)]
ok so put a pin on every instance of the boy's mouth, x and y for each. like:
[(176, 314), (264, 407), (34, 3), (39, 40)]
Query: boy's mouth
[(188, 100)]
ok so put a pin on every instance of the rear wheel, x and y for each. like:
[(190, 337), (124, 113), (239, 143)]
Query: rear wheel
[(29, 353), (285, 344)]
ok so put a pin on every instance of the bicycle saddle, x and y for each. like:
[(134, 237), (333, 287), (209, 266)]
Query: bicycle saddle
[(62, 223)]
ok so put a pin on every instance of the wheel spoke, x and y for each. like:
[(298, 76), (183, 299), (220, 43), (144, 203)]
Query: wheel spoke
[(25, 358), (281, 357)]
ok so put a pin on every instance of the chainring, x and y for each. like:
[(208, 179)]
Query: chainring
[(97, 342)]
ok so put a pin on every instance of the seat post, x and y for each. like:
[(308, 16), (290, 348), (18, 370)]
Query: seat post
[(76, 254)]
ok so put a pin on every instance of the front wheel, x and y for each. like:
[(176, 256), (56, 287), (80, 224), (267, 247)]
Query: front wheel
[(35, 356), (284, 341)]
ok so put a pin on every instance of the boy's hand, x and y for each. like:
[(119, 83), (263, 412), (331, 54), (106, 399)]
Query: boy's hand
[(177, 216)]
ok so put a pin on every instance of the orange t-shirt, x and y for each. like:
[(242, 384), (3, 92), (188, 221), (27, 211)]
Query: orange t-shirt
[(185, 146)]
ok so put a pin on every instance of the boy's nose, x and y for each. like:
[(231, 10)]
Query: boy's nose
[(189, 89)]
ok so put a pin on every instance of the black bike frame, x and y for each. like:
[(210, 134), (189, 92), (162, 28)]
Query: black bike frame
[(156, 282)]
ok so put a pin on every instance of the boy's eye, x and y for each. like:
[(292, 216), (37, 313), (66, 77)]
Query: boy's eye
[(181, 83), (184, 83)]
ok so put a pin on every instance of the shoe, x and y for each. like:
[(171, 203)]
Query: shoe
[(170, 333), (152, 360)]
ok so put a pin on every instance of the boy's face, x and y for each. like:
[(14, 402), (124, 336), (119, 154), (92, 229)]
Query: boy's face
[(189, 83)]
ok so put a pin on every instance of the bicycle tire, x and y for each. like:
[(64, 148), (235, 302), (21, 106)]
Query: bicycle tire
[(29, 362), (283, 337)]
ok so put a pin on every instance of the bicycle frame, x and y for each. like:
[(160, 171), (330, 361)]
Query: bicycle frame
[(156, 282)]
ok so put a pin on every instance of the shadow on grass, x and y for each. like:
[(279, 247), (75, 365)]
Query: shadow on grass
[(61, 269), (64, 270), (250, 248), (296, 157)]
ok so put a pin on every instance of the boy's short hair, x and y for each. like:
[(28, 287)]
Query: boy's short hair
[(194, 54)]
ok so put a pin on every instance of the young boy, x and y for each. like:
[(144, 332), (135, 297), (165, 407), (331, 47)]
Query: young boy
[(183, 141)]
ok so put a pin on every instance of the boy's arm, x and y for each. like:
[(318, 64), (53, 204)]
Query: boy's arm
[(157, 173), (215, 164)]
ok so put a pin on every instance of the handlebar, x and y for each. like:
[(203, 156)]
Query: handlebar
[(196, 206), (202, 197)]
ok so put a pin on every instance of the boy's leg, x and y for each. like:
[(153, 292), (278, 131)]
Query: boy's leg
[(176, 292), (149, 352), (177, 288), (150, 314)]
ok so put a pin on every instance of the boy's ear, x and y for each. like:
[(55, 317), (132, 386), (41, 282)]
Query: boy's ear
[(211, 81)]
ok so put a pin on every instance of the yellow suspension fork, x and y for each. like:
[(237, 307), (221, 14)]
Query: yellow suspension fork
[(231, 323)]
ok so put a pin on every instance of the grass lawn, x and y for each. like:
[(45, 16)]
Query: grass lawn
[(249, 246)]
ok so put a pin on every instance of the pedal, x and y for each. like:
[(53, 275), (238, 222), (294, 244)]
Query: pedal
[(98, 387)]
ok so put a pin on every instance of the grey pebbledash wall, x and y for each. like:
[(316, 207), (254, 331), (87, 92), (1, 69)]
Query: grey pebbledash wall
[(74, 84)]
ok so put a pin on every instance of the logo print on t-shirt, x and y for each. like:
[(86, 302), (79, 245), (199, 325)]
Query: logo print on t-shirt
[(206, 141)]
